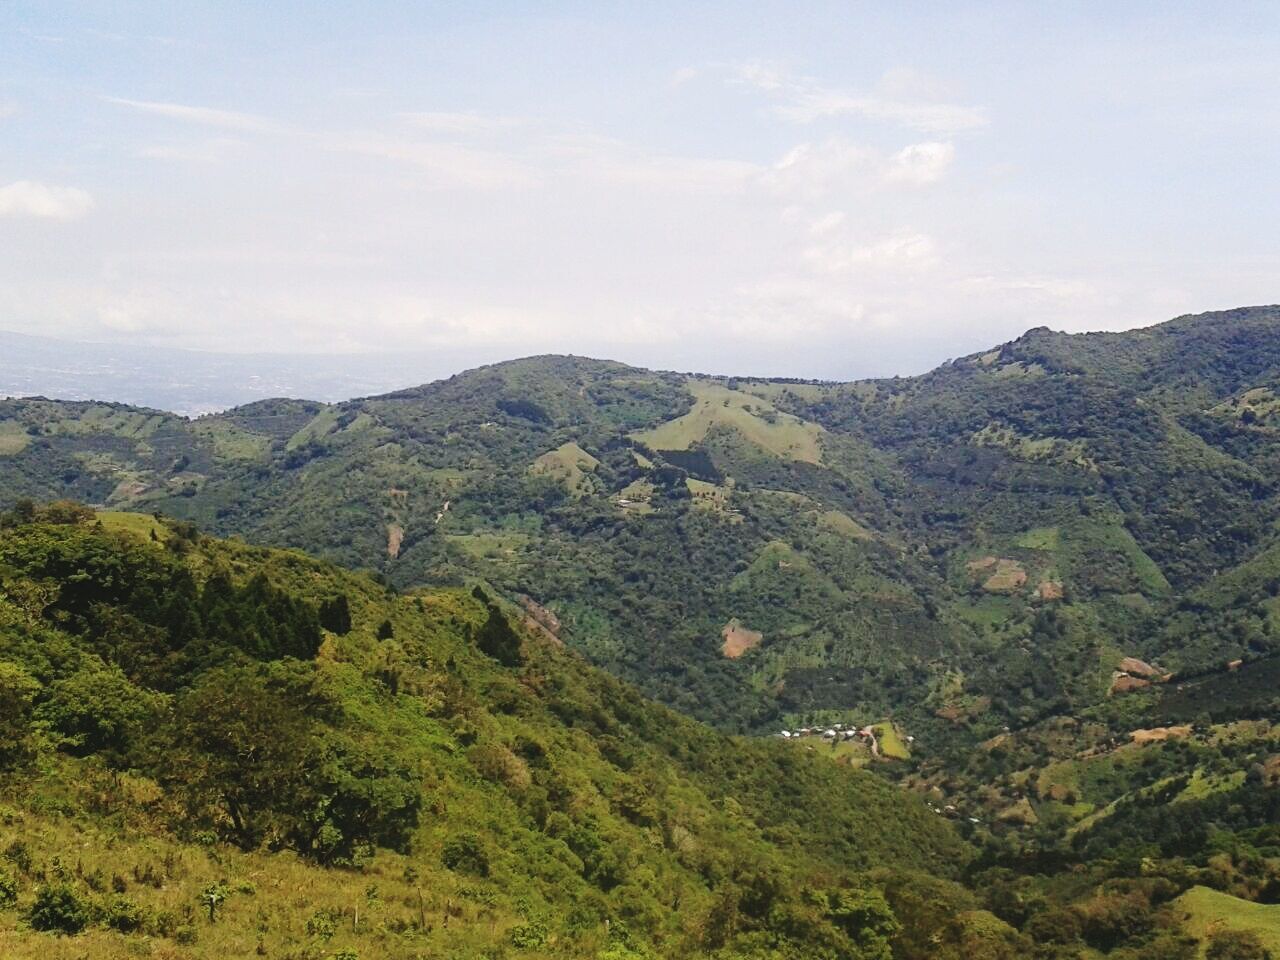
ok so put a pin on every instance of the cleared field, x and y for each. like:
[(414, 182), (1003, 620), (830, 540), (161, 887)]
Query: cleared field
[(570, 465), (13, 439), (1205, 911), (141, 525), (844, 524), (232, 443), (755, 418), (490, 546), (892, 744)]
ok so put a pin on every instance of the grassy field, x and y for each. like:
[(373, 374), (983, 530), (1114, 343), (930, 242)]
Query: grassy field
[(232, 442), (142, 525), (1206, 911), (891, 743), (277, 905), (756, 419), (570, 465), (844, 524), (13, 439)]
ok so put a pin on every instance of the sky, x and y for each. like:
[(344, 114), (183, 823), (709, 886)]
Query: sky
[(787, 189)]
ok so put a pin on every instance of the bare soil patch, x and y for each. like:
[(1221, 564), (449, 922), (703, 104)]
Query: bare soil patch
[(1158, 734), (738, 639)]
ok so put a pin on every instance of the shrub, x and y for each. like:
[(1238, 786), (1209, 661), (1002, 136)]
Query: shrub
[(465, 854), (8, 889), (322, 924), (530, 936), (59, 909), (124, 915)]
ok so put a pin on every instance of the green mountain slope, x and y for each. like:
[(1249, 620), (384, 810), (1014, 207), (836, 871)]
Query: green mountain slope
[(239, 750), (970, 549)]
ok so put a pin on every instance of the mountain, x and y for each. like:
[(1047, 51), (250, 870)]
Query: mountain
[(1036, 588), (974, 548), (237, 750)]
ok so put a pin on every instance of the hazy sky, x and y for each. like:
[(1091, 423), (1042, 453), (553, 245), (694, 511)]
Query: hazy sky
[(793, 189)]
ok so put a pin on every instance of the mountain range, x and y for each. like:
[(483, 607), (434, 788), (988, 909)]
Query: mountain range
[(987, 541), (413, 638)]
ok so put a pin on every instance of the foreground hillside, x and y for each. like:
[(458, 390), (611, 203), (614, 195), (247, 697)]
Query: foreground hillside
[(209, 749), (969, 550)]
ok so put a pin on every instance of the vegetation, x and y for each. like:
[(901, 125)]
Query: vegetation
[(181, 768), (1047, 575)]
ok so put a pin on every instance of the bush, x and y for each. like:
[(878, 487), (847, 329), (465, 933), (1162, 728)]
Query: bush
[(466, 854), (59, 909), (8, 889), (322, 924), (124, 915)]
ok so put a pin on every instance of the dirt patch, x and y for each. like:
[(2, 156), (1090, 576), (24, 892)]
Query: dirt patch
[(738, 639), (1009, 577), (1049, 590), (982, 563), (1123, 683), (1157, 734), (395, 537), (1137, 668)]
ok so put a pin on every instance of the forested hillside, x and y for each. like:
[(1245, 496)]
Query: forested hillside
[(975, 548), (232, 750)]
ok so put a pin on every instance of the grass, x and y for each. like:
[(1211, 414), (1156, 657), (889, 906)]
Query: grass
[(986, 611), (13, 439), (490, 546), (1203, 785), (570, 465), (892, 744), (1206, 911), (1041, 538), (231, 442), (321, 424), (781, 434), (272, 898), (844, 524), (141, 525)]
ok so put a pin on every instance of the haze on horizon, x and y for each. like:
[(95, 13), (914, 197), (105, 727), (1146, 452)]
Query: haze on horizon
[(854, 191)]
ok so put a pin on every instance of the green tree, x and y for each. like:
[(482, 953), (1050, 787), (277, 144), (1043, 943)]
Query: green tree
[(18, 691)]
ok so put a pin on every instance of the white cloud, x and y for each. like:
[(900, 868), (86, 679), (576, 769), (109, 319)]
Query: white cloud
[(205, 116), (921, 163), (804, 100), (810, 171), (901, 250), (683, 75), (27, 198), (460, 124)]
